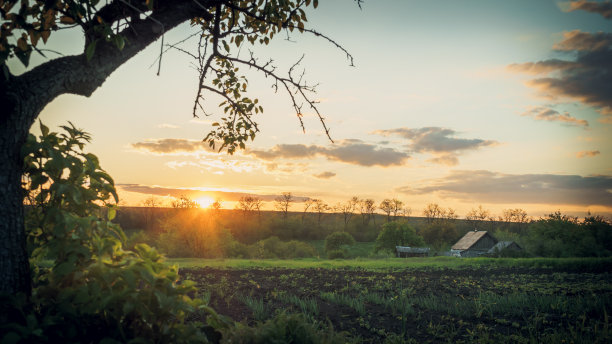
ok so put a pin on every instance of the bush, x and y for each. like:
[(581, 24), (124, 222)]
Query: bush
[(560, 235), (336, 240), (397, 234), (273, 247), (94, 290), (336, 254)]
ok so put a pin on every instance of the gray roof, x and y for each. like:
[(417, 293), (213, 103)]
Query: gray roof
[(407, 249), (502, 245)]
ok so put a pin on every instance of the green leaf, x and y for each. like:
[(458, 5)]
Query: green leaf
[(43, 129), (119, 42), (112, 212), (91, 49)]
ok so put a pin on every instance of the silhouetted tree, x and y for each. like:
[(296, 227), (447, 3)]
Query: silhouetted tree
[(283, 202)]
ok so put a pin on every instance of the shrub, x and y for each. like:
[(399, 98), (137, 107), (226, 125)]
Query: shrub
[(94, 290), (300, 249), (397, 234), (336, 240), (336, 254), (273, 247)]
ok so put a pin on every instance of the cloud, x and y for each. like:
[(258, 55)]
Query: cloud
[(585, 154), (493, 187), (445, 159), (353, 151), (286, 168), (541, 67), (587, 78), (542, 113), (436, 140), (324, 175), (196, 193), (584, 41), (172, 146), (217, 164), (604, 8), (168, 126)]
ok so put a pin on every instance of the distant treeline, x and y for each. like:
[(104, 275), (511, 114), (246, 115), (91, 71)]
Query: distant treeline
[(212, 233)]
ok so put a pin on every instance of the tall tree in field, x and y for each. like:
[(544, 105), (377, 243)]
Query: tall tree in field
[(477, 216), (249, 204), (283, 202), (433, 212), (387, 207), (113, 32), (397, 207), (367, 207), (307, 205), (348, 209), (321, 208)]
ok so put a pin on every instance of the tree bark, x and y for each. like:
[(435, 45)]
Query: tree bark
[(14, 264), (24, 97)]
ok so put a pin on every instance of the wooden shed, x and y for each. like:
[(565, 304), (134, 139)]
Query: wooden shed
[(474, 244), (406, 251)]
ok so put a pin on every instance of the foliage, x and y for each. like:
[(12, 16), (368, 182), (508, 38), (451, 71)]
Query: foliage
[(560, 235), (184, 202), (337, 240), (439, 233), (397, 234), (336, 254), (285, 328), (273, 247), (93, 290)]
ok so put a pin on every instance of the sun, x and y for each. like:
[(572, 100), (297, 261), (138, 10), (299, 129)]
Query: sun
[(204, 201)]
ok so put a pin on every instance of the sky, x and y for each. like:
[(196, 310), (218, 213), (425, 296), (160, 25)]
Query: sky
[(504, 104)]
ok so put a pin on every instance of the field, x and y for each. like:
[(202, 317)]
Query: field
[(420, 300)]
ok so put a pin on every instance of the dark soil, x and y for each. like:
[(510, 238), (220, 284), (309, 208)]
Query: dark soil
[(228, 287)]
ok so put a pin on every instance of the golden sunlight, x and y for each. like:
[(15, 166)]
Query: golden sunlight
[(204, 201)]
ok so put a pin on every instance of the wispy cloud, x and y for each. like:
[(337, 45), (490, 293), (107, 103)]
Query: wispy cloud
[(541, 67), (324, 175), (587, 154), (168, 126), (542, 113), (439, 141), (354, 152), (486, 186), (196, 193), (172, 146), (602, 7)]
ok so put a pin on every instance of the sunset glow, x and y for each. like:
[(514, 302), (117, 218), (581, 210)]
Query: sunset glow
[(450, 102), (204, 202)]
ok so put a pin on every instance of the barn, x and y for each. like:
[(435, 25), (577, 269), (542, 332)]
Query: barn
[(474, 244), (406, 251)]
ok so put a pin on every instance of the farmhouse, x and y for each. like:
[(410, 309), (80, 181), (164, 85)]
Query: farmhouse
[(474, 244), (406, 251)]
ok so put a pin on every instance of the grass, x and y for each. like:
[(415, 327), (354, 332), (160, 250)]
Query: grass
[(345, 300), (308, 306), (257, 306), (578, 264)]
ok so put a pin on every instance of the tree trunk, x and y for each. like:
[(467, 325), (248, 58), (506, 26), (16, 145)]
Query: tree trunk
[(14, 264), (23, 97)]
